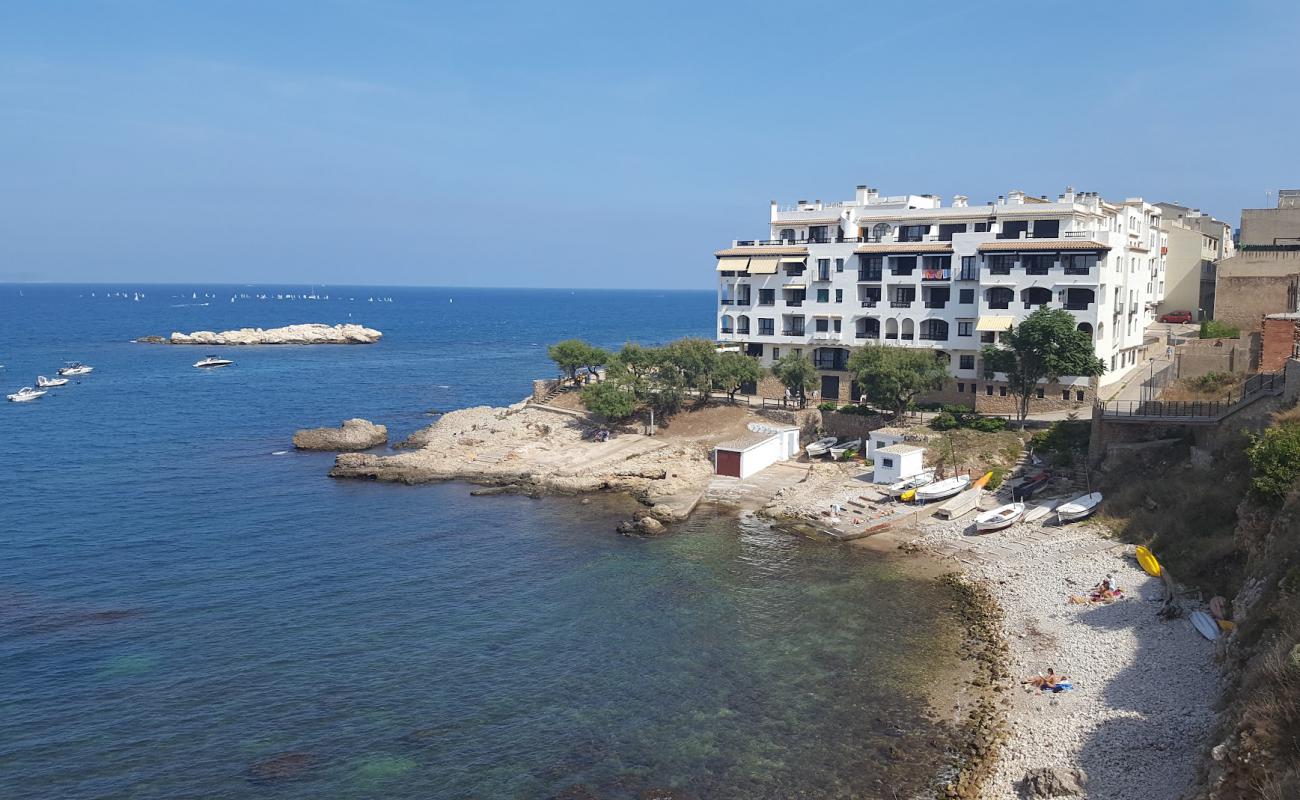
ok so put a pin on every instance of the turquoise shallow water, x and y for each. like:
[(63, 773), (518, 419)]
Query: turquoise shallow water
[(185, 614)]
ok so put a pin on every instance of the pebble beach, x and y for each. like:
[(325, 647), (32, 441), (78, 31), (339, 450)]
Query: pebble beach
[(1139, 718)]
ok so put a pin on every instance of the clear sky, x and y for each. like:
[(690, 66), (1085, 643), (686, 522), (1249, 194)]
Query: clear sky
[(602, 144)]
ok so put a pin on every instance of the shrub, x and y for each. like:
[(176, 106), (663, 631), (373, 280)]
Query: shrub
[(944, 422), (1213, 329), (995, 480), (1212, 381), (829, 405), (860, 410), (989, 424), (1275, 462), (611, 401)]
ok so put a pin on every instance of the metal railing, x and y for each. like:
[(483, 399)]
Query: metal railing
[(1254, 387), (900, 303)]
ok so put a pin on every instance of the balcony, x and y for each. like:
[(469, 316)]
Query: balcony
[(867, 335), (838, 364), (765, 331), (906, 336), (726, 331), (999, 304), (1044, 304), (933, 337), (1077, 306), (794, 303), (900, 303), (793, 332), (869, 303), (936, 303), (827, 336), (1078, 271), (936, 274), (869, 275)]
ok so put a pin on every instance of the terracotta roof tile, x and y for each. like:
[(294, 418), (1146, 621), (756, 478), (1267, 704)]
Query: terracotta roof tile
[(1031, 245), (906, 247), (762, 250)]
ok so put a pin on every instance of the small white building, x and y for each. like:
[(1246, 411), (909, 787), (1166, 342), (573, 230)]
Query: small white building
[(762, 447), (882, 437), (898, 461)]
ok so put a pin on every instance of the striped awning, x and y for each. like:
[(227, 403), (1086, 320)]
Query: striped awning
[(733, 264), (994, 323), (762, 265), (794, 259)]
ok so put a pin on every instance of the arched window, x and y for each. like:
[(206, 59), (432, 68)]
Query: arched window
[(742, 324), (868, 328), (891, 329), (727, 326), (999, 297), (1086, 328), (1036, 296), (909, 330), (880, 230), (787, 234), (934, 330)]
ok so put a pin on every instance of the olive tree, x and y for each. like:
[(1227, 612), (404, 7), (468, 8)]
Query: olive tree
[(892, 377), (1046, 346)]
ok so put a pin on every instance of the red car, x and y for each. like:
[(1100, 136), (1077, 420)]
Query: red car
[(1181, 317)]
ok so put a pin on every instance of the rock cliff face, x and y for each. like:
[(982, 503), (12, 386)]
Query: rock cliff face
[(314, 333), (354, 434)]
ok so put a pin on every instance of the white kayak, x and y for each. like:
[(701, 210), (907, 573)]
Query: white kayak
[(1079, 507), (820, 447), (919, 479), (1205, 625), (941, 489), (43, 382), (1036, 513), (1000, 517)]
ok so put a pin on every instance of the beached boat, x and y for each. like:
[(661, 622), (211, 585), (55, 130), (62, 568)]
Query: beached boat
[(941, 489), (212, 361), (1026, 488), (820, 447), (25, 395), (910, 483), (837, 452), (1204, 625), (1000, 517), (75, 368), (43, 382), (1079, 507)]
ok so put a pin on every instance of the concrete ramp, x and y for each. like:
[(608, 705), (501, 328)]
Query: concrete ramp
[(963, 503)]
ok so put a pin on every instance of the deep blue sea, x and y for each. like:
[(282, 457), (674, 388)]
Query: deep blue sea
[(189, 608)]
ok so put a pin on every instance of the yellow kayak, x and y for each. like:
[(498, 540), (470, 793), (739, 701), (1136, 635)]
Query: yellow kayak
[(1225, 625), (1148, 562), (980, 481), (908, 496)]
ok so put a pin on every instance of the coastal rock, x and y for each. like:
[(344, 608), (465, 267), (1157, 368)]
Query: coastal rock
[(1054, 782), (314, 333), (649, 525), (353, 434), (281, 767)]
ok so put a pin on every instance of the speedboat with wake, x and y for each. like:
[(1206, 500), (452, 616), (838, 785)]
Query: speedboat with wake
[(212, 362), (75, 368), (43, 382), (26, 395)]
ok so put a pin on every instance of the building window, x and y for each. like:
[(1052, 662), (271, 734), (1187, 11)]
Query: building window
[(1065, 394), (1078, 263), (839, 265), (1038, 264), (823, 324), (1039, 393), (742, 324), (966, 296), (961, 387), (1047, 228), (767, 297), (986, 337), (966, 362), (903, 265), (981, 227), (1001, 264), (823, 269), (969, 269), (839, 295), (870, 267), (988, 390), (887, 462), (912, 233), (1000, 297), (935, 330), (964, 328), (837, 325), (776, 353), (1002, 391), (823, 295), (1012, 230), (766, 327), (1078, 395)]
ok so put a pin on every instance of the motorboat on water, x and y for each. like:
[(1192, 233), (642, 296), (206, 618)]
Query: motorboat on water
[(75, 368), (820, 447), (909, 483), (1000, 517), (43, 382), (942, 489), (26, 395), (837, 452), (1078, 508), (213, 361)]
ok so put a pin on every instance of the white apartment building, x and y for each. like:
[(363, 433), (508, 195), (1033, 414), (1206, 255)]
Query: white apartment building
[(908, 271)]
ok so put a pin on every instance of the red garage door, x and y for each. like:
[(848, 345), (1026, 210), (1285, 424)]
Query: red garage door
[(728, 463)]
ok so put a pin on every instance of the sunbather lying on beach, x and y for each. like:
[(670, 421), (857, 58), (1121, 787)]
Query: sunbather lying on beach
[(1048, 681)]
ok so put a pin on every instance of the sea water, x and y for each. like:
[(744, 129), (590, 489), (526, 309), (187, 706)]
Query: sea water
[(189, 608)]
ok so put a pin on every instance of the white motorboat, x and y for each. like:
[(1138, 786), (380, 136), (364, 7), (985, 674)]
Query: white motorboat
[(906, 484), (25, 395), (1078, 508), (820, 447), (213, 361), (75, 368), (837, 452), (1000, 517), (43, 382), (941, 489)]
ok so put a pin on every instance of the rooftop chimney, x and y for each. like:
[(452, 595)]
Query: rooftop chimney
[(959, 201)]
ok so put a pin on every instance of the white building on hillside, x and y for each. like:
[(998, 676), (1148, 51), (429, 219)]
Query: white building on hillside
[(909, 271)]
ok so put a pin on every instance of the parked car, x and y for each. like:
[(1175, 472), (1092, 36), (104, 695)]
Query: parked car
[(1179, 317)]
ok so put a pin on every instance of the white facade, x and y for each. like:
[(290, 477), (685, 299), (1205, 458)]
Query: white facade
[(911, 272), (763, 447), (898, 461)]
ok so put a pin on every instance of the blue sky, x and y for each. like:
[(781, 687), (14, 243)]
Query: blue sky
[(601, 144)]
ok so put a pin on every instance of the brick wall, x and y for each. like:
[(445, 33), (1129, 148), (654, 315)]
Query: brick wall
[(1278, 340), (1199, 357), (1243, 300)]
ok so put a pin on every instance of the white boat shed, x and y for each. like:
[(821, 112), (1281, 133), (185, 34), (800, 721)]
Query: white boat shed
[(898, 461), (762, 447)]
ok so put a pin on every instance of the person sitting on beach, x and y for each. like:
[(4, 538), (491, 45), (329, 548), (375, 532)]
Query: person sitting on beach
[(1106, 591), (1047, 681)]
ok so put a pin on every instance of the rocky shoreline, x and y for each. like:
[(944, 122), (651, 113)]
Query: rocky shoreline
[(314, 333)]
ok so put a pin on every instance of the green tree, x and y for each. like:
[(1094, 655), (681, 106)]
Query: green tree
[(1046, 346), (595, 358), (892, 377), (696, 361), (734, 370), (570, 355), (1275, 462), (610, 400), (797, 373)]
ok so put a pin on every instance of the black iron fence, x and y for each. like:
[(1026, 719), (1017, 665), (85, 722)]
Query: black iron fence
[(1254, 387)]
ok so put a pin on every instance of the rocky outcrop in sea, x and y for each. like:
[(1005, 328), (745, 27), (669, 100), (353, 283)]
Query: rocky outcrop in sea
[(313, 333), (353, 434)]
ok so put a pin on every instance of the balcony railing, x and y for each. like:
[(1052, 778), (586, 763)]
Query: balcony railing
[(727, 330), (999, 304), (832, 364), (1030, 304), (766, 332), (869, 275), (936, 303), (936, 274), (1078, 271), (906, 336), (1077, 306), (793, 332), (794, 303), (900, 303), (869, 303), (933, 337), (867, 334)]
